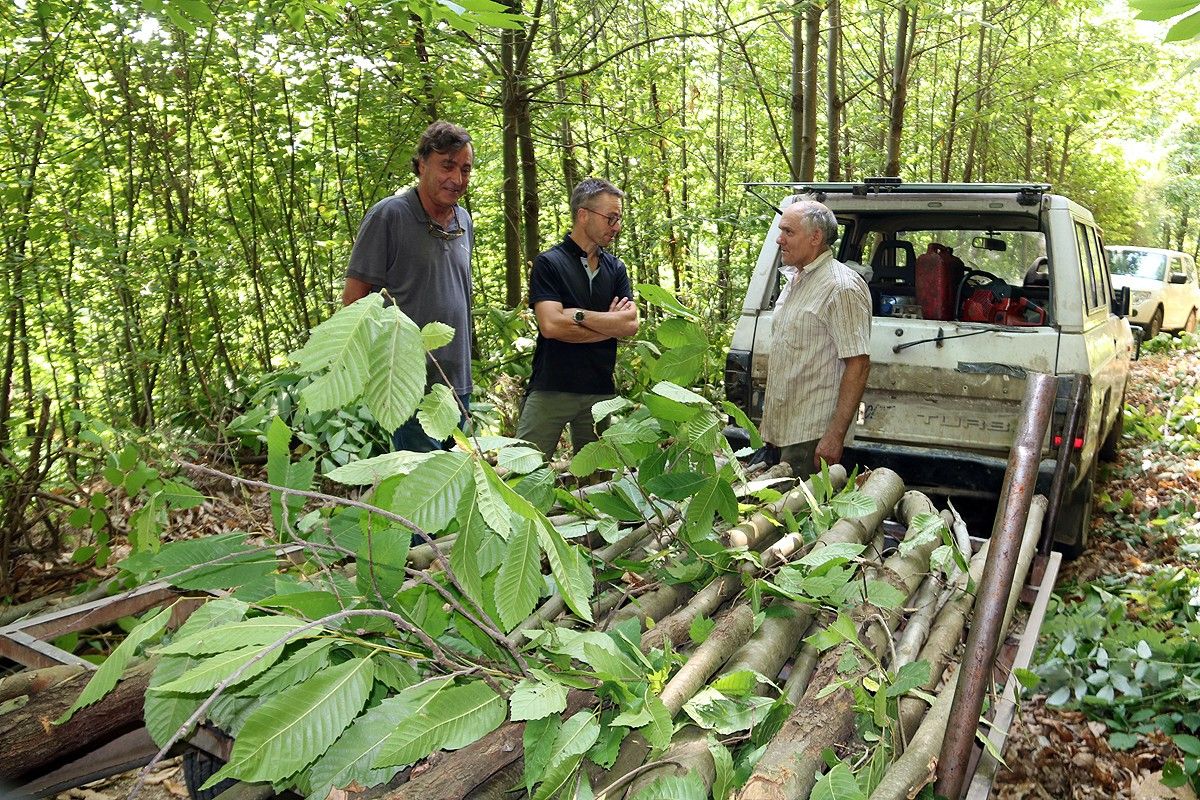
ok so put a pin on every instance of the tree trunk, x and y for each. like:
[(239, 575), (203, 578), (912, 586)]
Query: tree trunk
[(797, 94), (812, 40), (511, 191), (833, 96), (906, 31)]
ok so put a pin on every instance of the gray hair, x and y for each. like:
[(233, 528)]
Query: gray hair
[(589, 189), (817, 217), (440, 137)]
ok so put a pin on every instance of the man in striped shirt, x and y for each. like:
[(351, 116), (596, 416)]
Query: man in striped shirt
[(820, 344)]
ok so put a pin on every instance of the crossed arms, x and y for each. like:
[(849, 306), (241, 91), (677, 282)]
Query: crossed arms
[(556, 322)]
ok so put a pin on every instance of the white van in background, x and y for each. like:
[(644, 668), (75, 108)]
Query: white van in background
[(1162, 284)]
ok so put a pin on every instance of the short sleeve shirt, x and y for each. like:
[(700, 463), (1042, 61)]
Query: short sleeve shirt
[(427, 277), (560, 274), (826, 318)]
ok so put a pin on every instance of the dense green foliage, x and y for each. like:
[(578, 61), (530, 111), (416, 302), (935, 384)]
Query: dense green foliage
[(183, 181)]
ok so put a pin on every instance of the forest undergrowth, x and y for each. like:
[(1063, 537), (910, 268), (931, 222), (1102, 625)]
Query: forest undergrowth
[(1117, 670)]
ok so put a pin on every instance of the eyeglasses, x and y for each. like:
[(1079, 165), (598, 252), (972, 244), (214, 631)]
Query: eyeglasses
[(438, 232), (613, 220)]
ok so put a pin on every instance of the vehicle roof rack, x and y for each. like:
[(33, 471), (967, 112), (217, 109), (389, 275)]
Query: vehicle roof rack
[(1027, 193)]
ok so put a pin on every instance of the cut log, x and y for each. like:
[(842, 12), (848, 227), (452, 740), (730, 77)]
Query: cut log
[(32, 743)]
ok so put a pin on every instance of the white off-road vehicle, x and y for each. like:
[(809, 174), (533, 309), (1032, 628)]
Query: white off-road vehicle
[(1164, 293), (974, 287)]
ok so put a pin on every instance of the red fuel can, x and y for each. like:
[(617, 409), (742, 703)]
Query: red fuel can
[(938, 274)]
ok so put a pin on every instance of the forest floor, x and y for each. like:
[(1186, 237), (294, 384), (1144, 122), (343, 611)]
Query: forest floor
[(1052, 753), (1057, 753)]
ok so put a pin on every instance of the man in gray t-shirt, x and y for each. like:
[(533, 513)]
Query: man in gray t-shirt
[(416, 245)]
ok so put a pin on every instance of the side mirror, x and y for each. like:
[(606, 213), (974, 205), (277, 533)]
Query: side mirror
[(1121, 301), (1178, 277)]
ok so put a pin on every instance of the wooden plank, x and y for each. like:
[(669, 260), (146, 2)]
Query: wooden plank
[(981, 784), (93, 614), (31, 652)]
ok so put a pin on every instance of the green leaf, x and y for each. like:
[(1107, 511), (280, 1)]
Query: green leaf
[(438, 412), (840, 552), (454, 718), (672, 332), (595, 456), (231, 562), (1186, 28), (351, 756), (703, 432), (680, 365), (538, 740), (736, 684), (370, 471), (196, 9), (534, 699), (180, 495), (165, 712), (658, 730), (1119, 740), (472, 552), (292, 728), (1173, 775), (656, 295), (743, 422), (923, 529), (520, 460), (490, 503), (519, 582), (569, 568), (909, 677), (700, 628), (676, 486), (723, 781), (347, 333), (282, 472), (608, 407), (110, 671), (854, 504), (675, 787), (436, 334), (299, 666), (616, 505), (257, 631), (430, 494), (381, 558), (396, 370), (216, 668), (679, 394), (1187, 743), (574, 738), (838, 784)]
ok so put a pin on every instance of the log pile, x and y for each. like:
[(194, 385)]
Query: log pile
[(810, 660)]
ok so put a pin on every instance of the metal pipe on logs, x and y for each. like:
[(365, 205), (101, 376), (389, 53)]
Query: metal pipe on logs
[(1020, 481)]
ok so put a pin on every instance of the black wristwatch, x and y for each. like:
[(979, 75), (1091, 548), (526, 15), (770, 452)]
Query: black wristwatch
[(579, 316)]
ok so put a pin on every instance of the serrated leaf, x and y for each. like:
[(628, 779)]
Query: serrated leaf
[(430, 494), (257, 631), (535, 699), (680, 365), (574, 738), (703, 433), (164, 713), (736, 684), (723, 781), (110, 671), (679, 394), (436, 334), (675, 787), (370, 471), (658, 730), (292, 728), (349, 759), (744, 423), (616, 505), (852, 504), (909, 677), (594, 456), (605, 408), (1184, 29), (538, 741), (180, 495), (219, 666), (453, 719), (299, 666), (923, 529), (838, 551), (680, 333), (676, 486), (520, 460), (490, 503), (569, 568), (396, 369), (519, 582), (438, 412), (337, 337), (700, 628)]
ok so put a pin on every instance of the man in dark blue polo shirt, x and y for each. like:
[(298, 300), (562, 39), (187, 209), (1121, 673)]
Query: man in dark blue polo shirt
[(583, 301)]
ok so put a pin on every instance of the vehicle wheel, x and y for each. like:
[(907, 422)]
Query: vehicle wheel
[(1190, 325), (1075, 518), (198, 767), (1155, 323), (1112, 443)]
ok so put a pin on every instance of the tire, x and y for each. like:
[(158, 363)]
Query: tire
[(198, 767), (1112, 443), (1075, 518), (1190, 325), (1155, 325)]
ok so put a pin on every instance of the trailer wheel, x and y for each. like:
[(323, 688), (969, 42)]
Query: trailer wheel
[(1075, 518), (198, 767)]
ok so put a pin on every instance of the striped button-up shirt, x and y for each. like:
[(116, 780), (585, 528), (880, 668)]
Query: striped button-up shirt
[(823, 316)]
